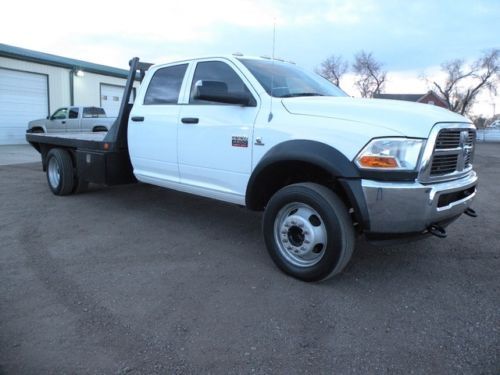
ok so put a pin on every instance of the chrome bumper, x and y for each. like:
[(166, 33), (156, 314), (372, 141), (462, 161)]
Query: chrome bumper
[(411, 207)]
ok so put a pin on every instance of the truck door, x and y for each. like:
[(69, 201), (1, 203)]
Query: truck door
[(57, 122), (152, 129), (73, 121), (215, 138)]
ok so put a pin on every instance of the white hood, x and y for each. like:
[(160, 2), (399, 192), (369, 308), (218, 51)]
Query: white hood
[(407, 118)]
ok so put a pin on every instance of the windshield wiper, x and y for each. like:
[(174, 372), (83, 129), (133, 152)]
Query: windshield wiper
[(301, 94)]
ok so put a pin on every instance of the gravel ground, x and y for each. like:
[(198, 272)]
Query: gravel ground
[(141, 280)]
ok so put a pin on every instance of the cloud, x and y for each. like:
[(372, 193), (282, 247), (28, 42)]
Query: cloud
[(410, 36), (351, 12)]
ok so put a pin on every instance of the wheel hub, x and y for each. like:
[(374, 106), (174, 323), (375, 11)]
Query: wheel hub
[(54, 173), (296, 236), (300, 234)]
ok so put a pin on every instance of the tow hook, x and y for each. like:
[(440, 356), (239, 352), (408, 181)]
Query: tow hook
[(470, 212), (437, 230)]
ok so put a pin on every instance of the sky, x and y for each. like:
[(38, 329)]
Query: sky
[(411, 38)]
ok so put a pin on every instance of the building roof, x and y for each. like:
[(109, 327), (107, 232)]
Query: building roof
[(407, 97), (60, 61)]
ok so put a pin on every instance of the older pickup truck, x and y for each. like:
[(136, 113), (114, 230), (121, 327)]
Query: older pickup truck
[(325, 168), (73, 119)]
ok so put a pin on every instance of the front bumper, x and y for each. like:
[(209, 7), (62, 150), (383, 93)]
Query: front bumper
[(411, 207)]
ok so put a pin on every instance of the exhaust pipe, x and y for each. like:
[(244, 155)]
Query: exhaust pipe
[(470, 212), (437, 230)]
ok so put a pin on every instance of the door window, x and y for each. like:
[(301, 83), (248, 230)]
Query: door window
[(219, 75), (60, 114), (165, 86)]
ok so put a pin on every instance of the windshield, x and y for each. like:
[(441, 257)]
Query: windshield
[(288, 80)]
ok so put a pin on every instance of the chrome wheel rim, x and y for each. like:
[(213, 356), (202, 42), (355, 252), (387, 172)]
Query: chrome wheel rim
[(54, 173), (300, 234)]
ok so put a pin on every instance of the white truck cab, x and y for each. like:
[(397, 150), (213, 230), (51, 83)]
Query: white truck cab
[(271, 136)]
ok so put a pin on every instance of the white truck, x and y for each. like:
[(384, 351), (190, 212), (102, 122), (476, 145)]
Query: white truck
[(325, 168), (73, 119)]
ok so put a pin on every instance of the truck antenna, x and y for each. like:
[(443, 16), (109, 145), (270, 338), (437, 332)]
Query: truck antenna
[(272, 72)]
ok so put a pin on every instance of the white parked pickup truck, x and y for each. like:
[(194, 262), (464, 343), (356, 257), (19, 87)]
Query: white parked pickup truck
[(325, 168), (73, 119)]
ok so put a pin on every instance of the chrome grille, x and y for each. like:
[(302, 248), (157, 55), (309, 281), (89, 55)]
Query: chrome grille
[(443, 164), (453, 151), (448, 139)]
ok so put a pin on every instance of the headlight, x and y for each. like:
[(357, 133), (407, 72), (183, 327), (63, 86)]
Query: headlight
[(399, 154)]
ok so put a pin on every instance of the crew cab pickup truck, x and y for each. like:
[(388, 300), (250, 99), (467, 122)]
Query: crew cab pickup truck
[(73, 119), (323, 167)]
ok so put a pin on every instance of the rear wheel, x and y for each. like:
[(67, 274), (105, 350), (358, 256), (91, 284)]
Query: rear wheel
[(60, 174), (308, 231)]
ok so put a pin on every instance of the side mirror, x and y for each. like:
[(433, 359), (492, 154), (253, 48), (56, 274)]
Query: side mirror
[(216, 91)]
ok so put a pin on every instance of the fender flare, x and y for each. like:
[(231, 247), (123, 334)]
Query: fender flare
[(322, 155)]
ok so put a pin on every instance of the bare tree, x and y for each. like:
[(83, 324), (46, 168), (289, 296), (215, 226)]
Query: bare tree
[(370, 76), (464, 82), (333, 68)]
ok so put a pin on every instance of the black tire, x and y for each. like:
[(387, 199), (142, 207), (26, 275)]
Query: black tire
[(60, 173), (99, 129), (37, 130), (308, 231)]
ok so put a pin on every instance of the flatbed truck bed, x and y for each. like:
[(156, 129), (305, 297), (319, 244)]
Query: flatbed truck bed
[(98, 157)]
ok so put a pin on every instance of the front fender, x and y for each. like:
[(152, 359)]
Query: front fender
[(315, 153)]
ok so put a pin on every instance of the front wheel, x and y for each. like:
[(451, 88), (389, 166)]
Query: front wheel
[(308, 231)]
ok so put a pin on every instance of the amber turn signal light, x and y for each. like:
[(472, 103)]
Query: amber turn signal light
[(378, 162)]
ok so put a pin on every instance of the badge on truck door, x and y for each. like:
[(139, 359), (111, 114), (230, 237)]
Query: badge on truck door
[(240, 141)]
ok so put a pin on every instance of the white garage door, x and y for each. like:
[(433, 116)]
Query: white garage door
[(23, 97), (111, 98)]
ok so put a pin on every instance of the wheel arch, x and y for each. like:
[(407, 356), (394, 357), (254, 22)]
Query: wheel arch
[(301, 161)]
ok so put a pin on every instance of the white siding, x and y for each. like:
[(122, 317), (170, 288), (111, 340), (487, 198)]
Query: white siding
[(88, 88)]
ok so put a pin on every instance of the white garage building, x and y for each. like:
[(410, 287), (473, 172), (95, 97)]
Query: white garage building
[(34, 84)]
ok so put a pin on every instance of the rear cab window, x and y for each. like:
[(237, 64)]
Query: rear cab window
[(165, 85), (89, 112)]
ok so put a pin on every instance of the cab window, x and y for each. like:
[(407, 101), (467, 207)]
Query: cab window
[(220, 76), (165, 86), (73, 113), (60, 114)]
